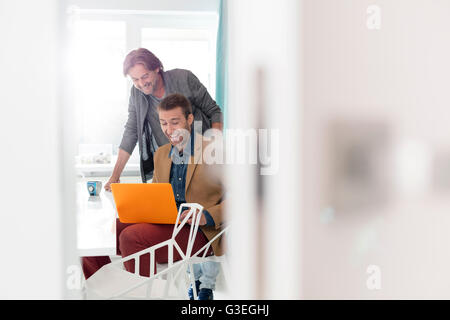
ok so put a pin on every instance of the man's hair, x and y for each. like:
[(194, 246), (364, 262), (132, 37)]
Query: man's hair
[(175, 100), (144, 57)]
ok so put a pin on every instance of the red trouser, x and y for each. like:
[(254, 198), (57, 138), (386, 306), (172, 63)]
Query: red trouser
[(132, 238)]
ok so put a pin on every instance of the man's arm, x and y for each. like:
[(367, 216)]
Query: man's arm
[(122, 159), (217, 125), (130, 135), (212, 217), (204, 101), (216, 213), (127, 145)]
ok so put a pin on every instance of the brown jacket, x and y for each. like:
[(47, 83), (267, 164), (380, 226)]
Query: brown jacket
[(203, 186)]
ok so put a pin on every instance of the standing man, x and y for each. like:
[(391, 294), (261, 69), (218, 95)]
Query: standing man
[(151, 85)]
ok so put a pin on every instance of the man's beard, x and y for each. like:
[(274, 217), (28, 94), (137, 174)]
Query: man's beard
[(180, 137), (149, 85)]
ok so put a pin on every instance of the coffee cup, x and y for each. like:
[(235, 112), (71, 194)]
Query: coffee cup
[(94, 187)]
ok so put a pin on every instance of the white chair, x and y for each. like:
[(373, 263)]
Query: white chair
[(113, 282)]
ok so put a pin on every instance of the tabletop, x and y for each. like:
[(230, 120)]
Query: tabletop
[(96, 223)]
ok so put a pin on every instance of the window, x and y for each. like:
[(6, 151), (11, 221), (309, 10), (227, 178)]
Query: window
[(100, 90), (190, 49)]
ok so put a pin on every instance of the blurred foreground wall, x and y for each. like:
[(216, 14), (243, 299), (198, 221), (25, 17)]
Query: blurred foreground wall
[(376, 149)]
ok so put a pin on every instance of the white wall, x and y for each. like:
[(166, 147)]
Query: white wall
[(385, 90), (264, 93), (34, 247), (359, 207)]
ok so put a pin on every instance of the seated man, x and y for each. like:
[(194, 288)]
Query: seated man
[(179, 163)]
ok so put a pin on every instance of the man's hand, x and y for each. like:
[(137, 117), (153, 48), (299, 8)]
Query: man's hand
[(108, 184), (202, 218), (217, 125)]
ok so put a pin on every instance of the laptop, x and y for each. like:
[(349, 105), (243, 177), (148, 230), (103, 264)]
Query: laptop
[(145, 202)]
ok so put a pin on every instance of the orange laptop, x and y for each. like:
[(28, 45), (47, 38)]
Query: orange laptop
[(145, 202)]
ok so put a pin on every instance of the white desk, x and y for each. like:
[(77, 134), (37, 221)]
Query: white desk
[(96, 222), (105, 169)]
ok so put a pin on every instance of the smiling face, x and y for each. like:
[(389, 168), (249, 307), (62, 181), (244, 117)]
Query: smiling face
[(147, 81), (175, 125)]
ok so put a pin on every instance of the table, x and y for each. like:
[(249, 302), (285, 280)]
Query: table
[(96, 222)]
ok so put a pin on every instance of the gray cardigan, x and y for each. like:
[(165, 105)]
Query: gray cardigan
[(204, 108)]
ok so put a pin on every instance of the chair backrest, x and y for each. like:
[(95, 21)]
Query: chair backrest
[(194, 212)]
